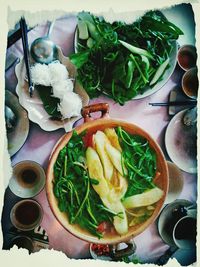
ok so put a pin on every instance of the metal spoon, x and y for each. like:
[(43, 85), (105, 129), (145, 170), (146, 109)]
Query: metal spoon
[(43, 50), (190, 117), (10, 118)]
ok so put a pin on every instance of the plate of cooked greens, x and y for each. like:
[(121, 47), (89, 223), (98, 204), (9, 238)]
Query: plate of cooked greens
[(125, 61)]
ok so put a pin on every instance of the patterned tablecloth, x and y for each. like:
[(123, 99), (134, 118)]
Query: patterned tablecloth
[(154, 120)]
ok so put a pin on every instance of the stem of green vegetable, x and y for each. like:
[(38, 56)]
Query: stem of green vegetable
[(137, 66)]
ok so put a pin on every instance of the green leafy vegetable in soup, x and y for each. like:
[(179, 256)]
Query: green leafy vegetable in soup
[(123, 60), (73, 188), (104, 181)]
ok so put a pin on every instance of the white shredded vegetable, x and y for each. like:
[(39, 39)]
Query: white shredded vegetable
[(58, 72), (61, 87), (70, 105), (57, 76), (40, 74)]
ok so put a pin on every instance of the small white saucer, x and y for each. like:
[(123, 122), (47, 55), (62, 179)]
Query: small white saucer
[(19, 188), (175, 182)]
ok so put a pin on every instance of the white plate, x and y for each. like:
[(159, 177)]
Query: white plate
[(181, 144), (167, 74), (34, 105), (16, 137)]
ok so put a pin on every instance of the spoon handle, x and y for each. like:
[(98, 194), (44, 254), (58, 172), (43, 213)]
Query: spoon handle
[(51, 25), (23, 27)]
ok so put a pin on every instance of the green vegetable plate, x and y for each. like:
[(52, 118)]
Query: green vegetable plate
[(125, 61)]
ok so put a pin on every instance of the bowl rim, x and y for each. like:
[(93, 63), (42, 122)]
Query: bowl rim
[(102, 123), (189, 72)]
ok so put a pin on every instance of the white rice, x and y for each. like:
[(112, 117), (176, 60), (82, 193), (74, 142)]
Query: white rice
[(40, 74), (70, 105)]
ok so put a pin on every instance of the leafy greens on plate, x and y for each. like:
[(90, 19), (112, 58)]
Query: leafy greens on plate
[(123, 60)]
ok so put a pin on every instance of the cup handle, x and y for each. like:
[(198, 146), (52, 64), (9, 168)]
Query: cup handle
[(127, 251), (192, 211)]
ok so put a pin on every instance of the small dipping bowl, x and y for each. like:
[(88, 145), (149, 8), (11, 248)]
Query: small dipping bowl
[(28, 179), (190, 83), (187, 57)]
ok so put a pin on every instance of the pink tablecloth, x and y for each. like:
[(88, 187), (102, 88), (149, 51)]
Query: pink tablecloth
[(154, 120)]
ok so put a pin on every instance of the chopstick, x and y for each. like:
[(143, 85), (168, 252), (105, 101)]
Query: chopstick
[(14, 37), (175, 103), (23, 27)]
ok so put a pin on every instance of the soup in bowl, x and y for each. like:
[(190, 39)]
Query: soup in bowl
[(106, 180)]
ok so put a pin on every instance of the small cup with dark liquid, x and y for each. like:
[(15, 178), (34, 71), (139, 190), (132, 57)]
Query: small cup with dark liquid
[(26, 214), (187, 57), (190, 83), (28, 179)]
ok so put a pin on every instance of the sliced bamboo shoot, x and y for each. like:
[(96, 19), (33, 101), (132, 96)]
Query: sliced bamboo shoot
[(113, 138), (96, 172), (145, 199), (123, 185), (100, 140), (159, 71), (116, 158), (120, 222)]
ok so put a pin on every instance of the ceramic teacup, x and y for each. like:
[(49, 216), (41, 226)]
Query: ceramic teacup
[(170, 217), (22, 241), (190, 83), (187, 57), (26, 214)]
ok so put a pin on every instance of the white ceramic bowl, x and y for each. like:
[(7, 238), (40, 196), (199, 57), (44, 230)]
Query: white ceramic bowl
[(22, 182)]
